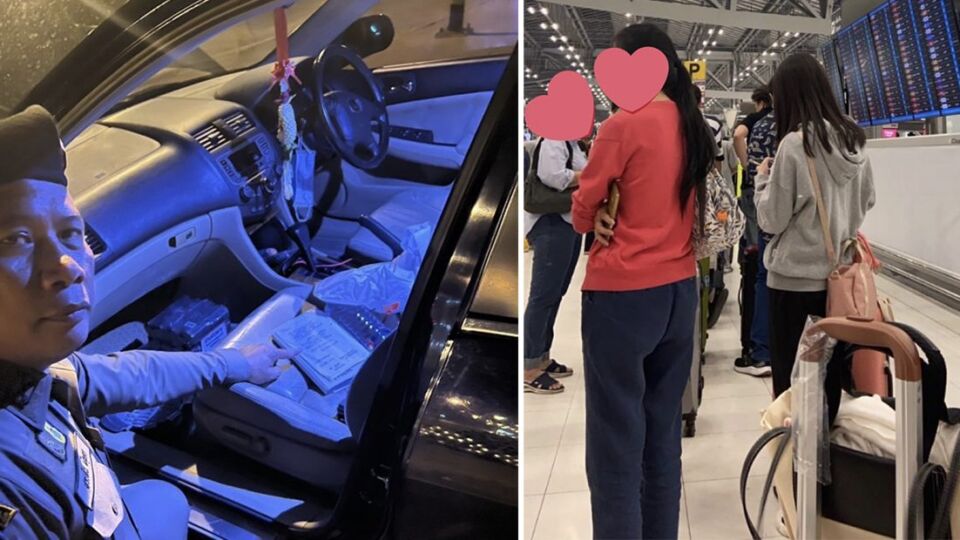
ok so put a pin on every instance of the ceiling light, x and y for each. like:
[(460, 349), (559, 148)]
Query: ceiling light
[(720, 31), (710, 31), (563, 39), (531, 10), (581, 64), (543, 25), (700, 51), (714, 43), (577, 56), (705, 42), (553, 39), (574, 64), (535, 76), (764, 53), (629, 15), (544, 10), (526, 69), (708, 52), (554, 26), (562, 48), (568, 57)]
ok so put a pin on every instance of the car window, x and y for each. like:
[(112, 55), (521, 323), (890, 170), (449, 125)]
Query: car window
[(35, 38), (423, 30)]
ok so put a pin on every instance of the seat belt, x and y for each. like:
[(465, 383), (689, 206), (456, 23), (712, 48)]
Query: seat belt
[(66, 390)]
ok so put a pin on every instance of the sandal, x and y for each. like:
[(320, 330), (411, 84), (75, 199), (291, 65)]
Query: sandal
[(544, 384), (558, 370)]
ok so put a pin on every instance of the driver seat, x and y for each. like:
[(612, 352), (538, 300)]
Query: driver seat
[(400, 212)]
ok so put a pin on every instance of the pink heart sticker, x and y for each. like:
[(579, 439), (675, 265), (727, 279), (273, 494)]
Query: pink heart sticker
[(566, 112), (631, 80)]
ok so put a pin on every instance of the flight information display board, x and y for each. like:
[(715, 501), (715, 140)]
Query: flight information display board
[(869, 71), (913, 69), (892, 74), (833, 71), (852, 78), (937, 23)]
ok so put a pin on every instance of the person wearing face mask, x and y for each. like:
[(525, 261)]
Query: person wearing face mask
[(55, 478)]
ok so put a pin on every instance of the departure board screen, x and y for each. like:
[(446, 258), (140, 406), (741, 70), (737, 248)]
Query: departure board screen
[(901, 61), (907, 39), (892, 79), (833, 71), (869, 71), (936, 22), (852, 78)]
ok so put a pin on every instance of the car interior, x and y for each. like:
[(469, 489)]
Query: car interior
[(182, 190)]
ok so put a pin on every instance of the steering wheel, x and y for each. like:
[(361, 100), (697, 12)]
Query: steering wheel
[(358, 127)]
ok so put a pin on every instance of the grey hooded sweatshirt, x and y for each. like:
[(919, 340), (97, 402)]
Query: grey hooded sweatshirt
[(796, 258)]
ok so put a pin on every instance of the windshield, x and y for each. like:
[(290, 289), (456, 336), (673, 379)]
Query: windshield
[(242, 46), (36, 34)]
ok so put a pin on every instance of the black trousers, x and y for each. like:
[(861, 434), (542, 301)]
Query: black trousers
[(788, 315), (748, 273)]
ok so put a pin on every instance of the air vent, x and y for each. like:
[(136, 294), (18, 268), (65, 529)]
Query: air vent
[(210, 138), (95, 242), (238, 123)]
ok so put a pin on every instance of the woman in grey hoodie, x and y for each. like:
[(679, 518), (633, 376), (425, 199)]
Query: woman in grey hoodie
[(809, 123)]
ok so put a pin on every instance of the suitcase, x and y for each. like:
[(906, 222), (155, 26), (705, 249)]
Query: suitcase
[(811, 511), (694, 391)]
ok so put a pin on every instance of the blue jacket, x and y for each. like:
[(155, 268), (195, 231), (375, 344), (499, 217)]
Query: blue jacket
[(53, 482)]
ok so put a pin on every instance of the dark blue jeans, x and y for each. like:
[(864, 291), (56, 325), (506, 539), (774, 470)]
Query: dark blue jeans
[(556, 249), (637, 351), (760, 329)]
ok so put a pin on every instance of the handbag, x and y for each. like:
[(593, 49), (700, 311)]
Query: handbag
[(539, 198)]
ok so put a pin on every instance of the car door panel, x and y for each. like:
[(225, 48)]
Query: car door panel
[(434, 111), (452, 121)]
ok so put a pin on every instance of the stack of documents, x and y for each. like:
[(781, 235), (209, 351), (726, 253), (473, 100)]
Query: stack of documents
[(329, 356)]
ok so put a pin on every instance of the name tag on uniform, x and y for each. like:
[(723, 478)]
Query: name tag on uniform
[(53, 440), (97, 490), (85, 461)]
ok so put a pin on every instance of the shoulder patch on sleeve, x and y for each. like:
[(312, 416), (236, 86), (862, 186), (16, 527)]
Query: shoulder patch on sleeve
[(7, 513)]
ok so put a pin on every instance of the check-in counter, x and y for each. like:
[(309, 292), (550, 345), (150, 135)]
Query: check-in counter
[(915, 224)]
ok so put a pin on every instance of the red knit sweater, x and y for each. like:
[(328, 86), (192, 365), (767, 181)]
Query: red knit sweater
[(651, 244)]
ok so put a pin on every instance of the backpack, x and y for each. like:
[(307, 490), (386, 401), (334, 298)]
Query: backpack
[(723, 221), (539, 198)]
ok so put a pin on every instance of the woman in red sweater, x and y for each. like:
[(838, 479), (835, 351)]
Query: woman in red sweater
[(639, 299)]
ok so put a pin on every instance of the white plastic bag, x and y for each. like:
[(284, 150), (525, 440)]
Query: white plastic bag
[(382, 287)]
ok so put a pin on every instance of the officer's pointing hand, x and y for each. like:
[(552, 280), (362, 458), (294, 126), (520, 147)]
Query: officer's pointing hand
[(262, 360)]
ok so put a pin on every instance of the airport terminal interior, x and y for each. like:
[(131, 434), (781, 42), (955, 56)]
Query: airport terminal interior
[(893, 65), (556, 497)]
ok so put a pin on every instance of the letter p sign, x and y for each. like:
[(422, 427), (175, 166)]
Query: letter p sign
[(697, 69)]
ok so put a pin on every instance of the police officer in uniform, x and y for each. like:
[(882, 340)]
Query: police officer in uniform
[(55, 478)]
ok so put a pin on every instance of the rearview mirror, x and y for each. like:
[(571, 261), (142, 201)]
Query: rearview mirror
[(369, 35)]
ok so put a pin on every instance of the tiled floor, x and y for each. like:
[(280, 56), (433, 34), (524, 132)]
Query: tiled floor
[(556, 500)]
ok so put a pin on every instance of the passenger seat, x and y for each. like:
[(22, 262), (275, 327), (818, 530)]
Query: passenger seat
[(282, 424)]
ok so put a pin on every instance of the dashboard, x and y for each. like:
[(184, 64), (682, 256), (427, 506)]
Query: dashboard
[(162, 162)]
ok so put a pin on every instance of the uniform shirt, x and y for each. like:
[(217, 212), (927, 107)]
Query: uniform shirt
[(49, 473), (553, 172), (644, 152)]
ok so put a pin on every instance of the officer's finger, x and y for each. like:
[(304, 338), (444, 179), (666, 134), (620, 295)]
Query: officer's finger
[(606, 220), (279, 354), (601, 239)]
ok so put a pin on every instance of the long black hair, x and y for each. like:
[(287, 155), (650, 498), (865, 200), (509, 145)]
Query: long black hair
[(698, 142), (804, 99)]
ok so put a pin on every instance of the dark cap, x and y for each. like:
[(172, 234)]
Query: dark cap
[(30, 148)]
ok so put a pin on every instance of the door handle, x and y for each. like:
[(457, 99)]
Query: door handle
[(399, 85), (407, 86)]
